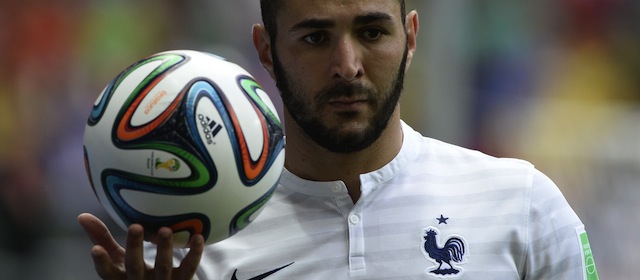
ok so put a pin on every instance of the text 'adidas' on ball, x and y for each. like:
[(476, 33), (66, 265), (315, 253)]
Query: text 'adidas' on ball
[(187, 140)]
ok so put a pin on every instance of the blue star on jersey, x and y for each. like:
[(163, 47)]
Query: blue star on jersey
[(442, 219)]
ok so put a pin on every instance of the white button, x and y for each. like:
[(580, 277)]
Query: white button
[(354, 219), (337, 188)]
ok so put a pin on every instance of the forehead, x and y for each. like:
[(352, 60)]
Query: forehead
[(292, 11)]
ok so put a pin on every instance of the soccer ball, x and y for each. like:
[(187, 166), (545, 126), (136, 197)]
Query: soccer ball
[(187, 140)]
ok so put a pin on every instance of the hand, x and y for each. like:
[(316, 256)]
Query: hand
[(114, 262)]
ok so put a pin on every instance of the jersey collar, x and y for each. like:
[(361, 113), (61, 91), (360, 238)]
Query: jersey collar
[(370, 180)]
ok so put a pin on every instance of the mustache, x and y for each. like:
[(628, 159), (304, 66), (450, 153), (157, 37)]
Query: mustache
[(343, 90)]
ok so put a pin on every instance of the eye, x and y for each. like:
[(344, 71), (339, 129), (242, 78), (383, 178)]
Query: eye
[(372, 34), (315, 38)]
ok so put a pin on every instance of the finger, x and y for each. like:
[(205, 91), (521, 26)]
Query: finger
[(104, 266), (164, 256), (190, 263), (134, 261), (100, 235)]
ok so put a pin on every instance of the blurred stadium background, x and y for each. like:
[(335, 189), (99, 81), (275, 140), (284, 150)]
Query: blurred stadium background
[(553, 82)]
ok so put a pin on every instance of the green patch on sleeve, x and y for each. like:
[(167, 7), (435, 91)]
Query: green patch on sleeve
[(589, 264)]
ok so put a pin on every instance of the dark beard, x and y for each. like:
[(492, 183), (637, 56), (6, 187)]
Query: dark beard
[(331, 138)]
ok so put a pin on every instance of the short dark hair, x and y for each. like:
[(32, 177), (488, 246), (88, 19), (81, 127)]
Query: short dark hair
[(270, 9)]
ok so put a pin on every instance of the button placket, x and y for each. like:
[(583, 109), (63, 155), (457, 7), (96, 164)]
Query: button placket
[(356, 240)]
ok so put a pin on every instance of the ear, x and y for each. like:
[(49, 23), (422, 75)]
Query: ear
[(262, 43), (411, 24)]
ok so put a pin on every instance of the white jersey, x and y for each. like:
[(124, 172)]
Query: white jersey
[(437, 211)]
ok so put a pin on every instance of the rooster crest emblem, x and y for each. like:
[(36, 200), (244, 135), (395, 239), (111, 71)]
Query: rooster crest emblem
[(453, 251)]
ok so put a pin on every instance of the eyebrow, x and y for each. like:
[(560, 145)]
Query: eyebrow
[(312, 24), (372, 17), (316, 23)]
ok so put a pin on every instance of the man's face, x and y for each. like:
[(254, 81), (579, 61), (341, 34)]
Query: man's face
[(340, 66)]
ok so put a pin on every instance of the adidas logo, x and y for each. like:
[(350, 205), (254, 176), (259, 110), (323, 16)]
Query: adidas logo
[(210, 127)]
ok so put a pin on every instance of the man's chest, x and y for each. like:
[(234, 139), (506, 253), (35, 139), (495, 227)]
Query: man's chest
[(394, 240)]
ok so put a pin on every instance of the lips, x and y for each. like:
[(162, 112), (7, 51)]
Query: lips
[(347, 103)]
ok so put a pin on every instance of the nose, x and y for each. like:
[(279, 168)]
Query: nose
[(347, 62)]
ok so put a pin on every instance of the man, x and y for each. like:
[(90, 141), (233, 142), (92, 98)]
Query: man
[(364, 196)]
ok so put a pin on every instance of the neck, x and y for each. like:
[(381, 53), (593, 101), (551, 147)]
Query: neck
[(308, 160)]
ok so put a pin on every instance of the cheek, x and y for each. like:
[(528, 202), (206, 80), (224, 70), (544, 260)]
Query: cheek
[(385, 61), (303, 81), (382, 73)]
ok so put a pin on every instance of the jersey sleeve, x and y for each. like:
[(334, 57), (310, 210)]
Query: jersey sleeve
[(556, 247)]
